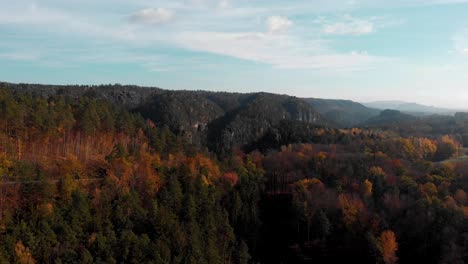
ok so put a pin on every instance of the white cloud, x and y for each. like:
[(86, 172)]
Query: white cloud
[(278, 24), (153, 16), (350, 26), (63, 21), (209, 33), (280, 51)]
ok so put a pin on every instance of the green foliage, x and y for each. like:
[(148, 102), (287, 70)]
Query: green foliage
[(147, 197)]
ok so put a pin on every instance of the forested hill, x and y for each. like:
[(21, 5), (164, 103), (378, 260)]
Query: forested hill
[(343, 112), (85, 181), (390, 118), (218, 120), (127, 95), (222, 121)]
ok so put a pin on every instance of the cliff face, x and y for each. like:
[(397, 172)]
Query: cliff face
[(186, 113), (223, 120), (259, 114)]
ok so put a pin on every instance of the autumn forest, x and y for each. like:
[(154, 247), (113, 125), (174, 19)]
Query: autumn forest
[(124, 174)]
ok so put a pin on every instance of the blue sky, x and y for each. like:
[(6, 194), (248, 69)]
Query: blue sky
[(414, 50)]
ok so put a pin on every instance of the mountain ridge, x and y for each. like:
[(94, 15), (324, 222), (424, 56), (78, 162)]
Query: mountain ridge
[(346, 113), (217, 119), (222, 120), (411, 107)]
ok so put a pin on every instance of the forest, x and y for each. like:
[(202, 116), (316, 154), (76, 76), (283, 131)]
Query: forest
[(85, 178)]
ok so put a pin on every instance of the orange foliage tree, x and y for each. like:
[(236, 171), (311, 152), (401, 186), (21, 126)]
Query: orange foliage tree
[(353, 209), (23, 255), (388, 246)]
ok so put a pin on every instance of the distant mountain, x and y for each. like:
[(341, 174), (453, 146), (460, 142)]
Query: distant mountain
[(344, 113), (390, 118), (411, 108), (461, 117)]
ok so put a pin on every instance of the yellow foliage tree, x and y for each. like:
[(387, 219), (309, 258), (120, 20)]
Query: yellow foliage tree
[(23, 255), (377, 172), (366, 188), (353, 209), (429, 189), (388, 246), (426, 148)]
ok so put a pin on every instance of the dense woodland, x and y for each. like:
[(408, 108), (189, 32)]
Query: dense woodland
[(85, 179)]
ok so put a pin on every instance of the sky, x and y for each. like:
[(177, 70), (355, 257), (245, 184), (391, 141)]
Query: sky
[(363, 50)]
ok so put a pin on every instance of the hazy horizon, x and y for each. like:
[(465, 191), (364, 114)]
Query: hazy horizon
[(365, 51)]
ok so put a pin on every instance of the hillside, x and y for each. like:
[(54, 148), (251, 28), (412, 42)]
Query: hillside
[(258, 114), (126, 95), (427, 126), (86, 180), (344, 113), (222, 121), (218, 120), (389, 119)]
